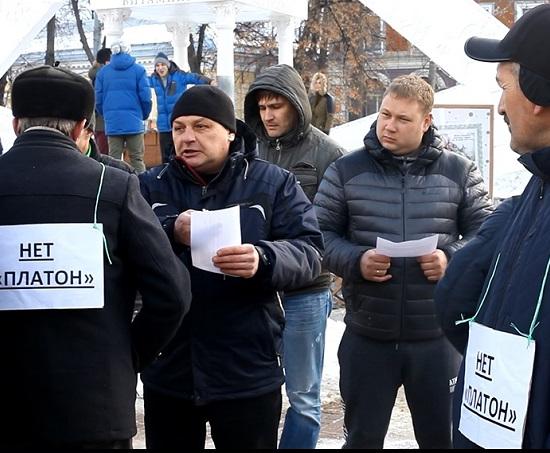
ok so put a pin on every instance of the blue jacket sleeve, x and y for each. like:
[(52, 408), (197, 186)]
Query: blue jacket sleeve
[(144, 92), (197, 79), (296, 247), (457, 294)]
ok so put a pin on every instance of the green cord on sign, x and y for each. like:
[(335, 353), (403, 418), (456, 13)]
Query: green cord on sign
[(462, 321), (534, 322), (95, 214)]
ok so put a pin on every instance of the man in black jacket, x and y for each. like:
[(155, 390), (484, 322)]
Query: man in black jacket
[(403, 185), (278, 110), (224, 365), (78, 241)]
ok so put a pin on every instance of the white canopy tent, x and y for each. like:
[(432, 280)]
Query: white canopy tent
[(180, 16)]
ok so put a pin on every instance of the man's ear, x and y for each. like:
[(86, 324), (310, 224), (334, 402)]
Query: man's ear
[(75, 133), (427, 122), (537, 109), (15, 125)]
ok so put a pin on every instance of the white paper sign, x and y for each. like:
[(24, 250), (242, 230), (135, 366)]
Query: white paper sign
[(497, 380), (407, 249), (51, 266), (211, 231)]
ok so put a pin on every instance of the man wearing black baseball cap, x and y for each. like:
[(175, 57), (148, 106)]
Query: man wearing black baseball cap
[(502, 396), (225, 366), (77, 240)]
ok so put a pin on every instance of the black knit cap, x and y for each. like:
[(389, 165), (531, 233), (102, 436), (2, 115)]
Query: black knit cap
[(209, 102), (45, 91)]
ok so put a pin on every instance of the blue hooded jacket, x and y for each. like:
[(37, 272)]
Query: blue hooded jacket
[(123, 95), (176, 83), (519, 280)]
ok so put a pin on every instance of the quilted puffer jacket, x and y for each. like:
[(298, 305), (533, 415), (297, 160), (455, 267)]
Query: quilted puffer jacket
[(368, 194)]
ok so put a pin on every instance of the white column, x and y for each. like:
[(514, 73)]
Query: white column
[(113, 23), (180, 43), (285, 38), (225, 24)]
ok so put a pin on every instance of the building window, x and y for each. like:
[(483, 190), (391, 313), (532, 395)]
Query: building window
[(523, 6), (489, 7)]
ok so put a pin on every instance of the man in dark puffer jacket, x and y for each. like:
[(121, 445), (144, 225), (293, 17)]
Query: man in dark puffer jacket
[(402, 186)]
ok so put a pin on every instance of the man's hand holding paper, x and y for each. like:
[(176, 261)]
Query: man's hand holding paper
[(375, 263)]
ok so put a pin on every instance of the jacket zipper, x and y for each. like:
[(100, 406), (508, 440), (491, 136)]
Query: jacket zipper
[(278, 148), (403, 292)]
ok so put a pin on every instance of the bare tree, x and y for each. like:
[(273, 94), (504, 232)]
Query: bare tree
[(3, 83), (341, 38), (50, 42), (81, 33), (195, 49)]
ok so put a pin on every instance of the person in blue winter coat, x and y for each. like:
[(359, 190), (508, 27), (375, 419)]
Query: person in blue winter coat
[(457, 293), (224, 366), (123, 98), (169, 82), (502, 393)]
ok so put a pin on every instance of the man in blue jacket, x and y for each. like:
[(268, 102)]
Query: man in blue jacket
[(169, 82), (123, 98), (224, 365), (503, 397)]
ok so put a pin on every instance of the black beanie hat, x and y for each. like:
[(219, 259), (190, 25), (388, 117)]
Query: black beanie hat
[(51, 92), (206, 101)]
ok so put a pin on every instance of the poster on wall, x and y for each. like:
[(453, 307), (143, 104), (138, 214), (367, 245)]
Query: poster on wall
[(468, 130)]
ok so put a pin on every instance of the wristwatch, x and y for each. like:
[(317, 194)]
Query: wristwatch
[(264, 259)]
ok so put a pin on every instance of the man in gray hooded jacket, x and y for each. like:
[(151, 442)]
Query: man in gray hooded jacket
[(277, 109)]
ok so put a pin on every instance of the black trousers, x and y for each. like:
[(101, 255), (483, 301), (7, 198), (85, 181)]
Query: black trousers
[(371, 373), (242, 424), (166, 145), (125, 444)]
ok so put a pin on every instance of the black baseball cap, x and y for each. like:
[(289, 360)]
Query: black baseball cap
[(527, 43)]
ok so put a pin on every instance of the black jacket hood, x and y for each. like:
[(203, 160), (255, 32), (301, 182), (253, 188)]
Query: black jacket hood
[(284, 80)]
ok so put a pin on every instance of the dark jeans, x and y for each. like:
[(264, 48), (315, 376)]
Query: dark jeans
[(166, 145), (371, 373), (243, 424)]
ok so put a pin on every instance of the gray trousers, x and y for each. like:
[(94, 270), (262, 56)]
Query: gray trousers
[(134, 145)]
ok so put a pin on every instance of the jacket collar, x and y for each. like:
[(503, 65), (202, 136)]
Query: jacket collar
[(538, 162), (46, 135), (430, 148)]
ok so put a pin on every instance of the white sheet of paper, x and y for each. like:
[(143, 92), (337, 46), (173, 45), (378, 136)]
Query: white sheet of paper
[(498, 367), (407, 249), (211, 231)]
